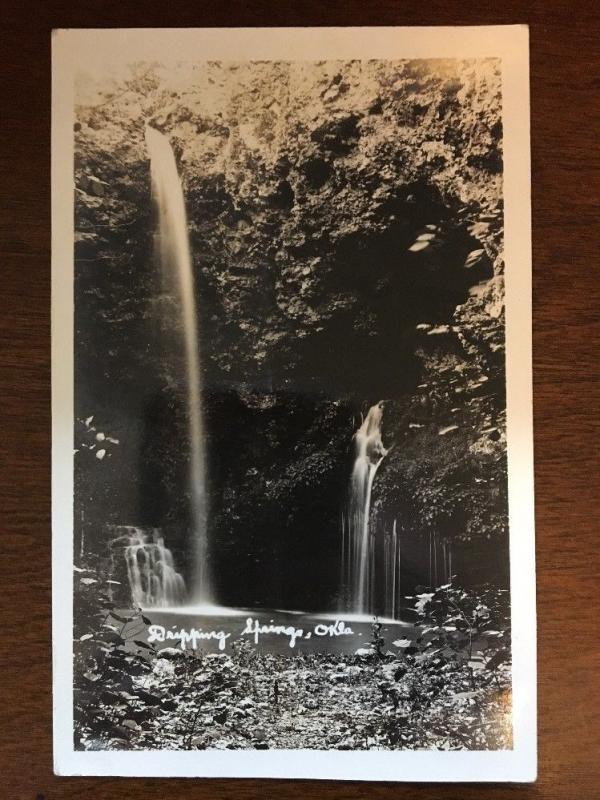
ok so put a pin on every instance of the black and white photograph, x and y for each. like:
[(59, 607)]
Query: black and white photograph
[(292, 517)]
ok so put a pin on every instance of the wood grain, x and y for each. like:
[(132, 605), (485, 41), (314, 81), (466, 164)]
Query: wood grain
[(566, 193)]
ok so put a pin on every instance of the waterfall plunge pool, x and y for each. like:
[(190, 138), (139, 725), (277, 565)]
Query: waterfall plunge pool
[(215, 629)]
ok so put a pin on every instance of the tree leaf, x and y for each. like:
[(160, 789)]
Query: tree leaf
[(121, 619), (143, 644), (499, 658)]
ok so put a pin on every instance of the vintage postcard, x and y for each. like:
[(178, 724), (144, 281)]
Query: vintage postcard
[(292, 418)]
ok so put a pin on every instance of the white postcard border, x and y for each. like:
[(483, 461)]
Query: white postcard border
[(74, 49)]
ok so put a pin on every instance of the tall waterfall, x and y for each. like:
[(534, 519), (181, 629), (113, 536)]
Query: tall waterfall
[(359, 547), (174, 252)]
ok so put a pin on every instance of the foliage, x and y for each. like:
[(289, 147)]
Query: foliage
[(413, 694), (451, 617), (453, 684)]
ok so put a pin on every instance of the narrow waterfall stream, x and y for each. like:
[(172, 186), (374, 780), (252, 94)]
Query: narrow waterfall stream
[(440, 561), (392, 572), (359, 550), (175, 260)]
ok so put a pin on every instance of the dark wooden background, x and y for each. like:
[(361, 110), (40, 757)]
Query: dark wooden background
[(565, 77)]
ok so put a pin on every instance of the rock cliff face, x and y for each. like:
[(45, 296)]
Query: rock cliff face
[(346, 229)]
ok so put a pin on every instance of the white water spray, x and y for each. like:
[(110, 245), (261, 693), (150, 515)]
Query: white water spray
[(175, 259)]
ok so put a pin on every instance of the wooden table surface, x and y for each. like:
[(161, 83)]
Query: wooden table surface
[(565, 76)]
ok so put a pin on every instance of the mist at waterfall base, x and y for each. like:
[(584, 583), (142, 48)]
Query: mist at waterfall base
[(204, 534)]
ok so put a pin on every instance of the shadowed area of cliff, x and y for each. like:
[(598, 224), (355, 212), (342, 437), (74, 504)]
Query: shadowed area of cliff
[(345, 224)]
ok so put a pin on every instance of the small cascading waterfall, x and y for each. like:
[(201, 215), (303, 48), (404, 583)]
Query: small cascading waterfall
[(174, 253), (359, 555), (153, 579)]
